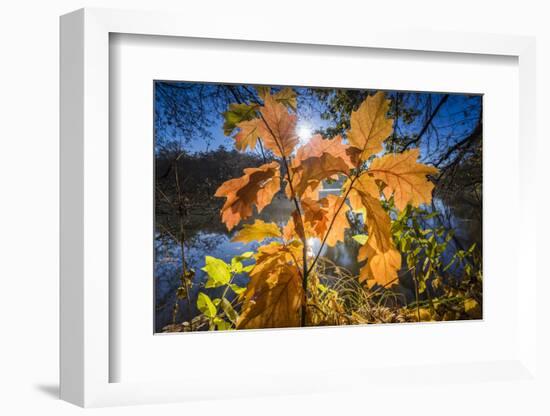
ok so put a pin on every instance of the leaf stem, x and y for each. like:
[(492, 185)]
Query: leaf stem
[(296, 201)]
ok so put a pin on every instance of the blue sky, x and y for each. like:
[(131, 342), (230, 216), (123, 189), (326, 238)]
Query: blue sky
[(454, 120)]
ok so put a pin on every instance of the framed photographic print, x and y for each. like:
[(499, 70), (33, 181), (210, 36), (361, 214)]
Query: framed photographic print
[(300, 206), (215, 213)]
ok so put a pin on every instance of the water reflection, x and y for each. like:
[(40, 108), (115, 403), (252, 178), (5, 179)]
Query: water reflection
[(213, 239)]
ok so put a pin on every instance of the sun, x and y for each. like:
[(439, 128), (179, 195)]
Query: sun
[(304, 133)]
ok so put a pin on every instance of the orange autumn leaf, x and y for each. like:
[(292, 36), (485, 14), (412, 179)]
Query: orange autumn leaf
[(257, 231), (286, 96), (315, 221), (405, 178), (247, 135), (369, 126), (274, 295), (277, 128), (294, 228), (316, 161), (364, 184), (312, 191), (336, 211), (277, 252), (256, 187), (381, 267), (317, 146), (276, 302), (383, 259), (289, 230), (315, 217)]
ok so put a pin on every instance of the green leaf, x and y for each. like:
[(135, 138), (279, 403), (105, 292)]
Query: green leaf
[(244, 256), (287, 97), (248, 269), (361, 238), (205, 305), (426, 261), (262, 91), (229, 311), (405, 244), (236, 114), (236, 266), (211, 284), (236, 262), (421, 286), (221, 325), (237, 289), (218, 271)]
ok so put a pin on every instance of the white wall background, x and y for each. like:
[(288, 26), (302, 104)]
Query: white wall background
[(29, 116)]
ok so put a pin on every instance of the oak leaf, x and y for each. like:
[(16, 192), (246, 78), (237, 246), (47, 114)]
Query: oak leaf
[(298, 225), (316, 161), (276, 302), (257, 231), (256, 187), (315, 217), (277, 128), (274, 295), (236, 114), (248, 134), (383, 259), (317, 147), (262, 91), (315, 221), (286, 96), (364, 184), (405, 178), (369, 125), (336, 210)]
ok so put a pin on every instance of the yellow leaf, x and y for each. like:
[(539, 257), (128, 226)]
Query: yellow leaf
[(381, 267), (274, 295), (364, 184), (404, 178), (256, 187), (383, 259), (369, 125), (258, 231), (247, 135), (276, 303), (277, 128)]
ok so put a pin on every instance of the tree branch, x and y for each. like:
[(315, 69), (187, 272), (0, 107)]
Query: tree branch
[(428, 122)]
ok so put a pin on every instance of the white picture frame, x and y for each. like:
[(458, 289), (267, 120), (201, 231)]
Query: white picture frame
[(85, 211)]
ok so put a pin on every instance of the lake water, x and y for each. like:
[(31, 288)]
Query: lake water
[(212, 239)]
